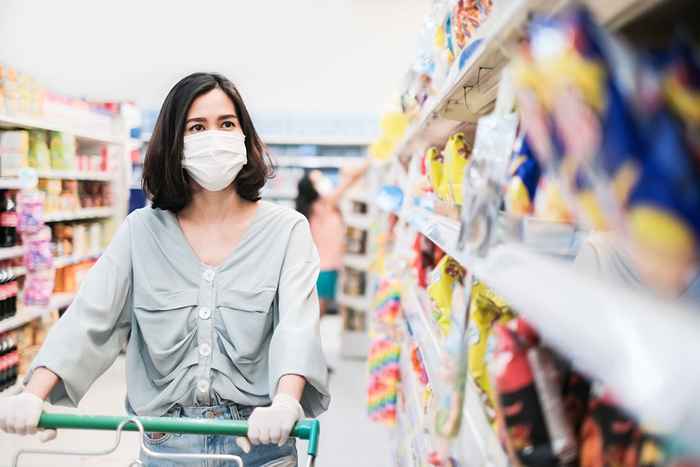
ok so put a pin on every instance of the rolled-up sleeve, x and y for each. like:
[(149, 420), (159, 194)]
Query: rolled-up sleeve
[(89, 336), (296, 342)]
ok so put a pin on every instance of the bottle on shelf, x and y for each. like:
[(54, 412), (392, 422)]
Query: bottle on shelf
[(8, 220), (9, 361), (8, 293)]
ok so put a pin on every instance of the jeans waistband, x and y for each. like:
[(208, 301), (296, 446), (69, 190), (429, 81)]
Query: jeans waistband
[(229, 410)]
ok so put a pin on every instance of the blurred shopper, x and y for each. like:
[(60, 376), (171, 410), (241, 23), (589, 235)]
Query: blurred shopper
[(320, 204), (213, 289)]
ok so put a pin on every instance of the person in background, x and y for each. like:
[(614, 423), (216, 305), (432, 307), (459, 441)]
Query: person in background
[(320, 204), (212, 289)]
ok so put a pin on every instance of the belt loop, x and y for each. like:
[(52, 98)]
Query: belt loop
[(233, 408)]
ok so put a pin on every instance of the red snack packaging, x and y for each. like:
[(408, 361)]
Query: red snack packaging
[(529, 402)]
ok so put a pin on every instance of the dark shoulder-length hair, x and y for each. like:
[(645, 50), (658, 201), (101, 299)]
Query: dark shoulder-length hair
[(164, 180), (307, 195)]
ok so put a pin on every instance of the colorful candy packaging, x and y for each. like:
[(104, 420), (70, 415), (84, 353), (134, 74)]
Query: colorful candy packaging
[(485, 310), (427, 256), (592, 109), (610, 437), (457, 152), (387, 303), (532, 96), (466, 18), (664, 206), (418, 365), (447, 275), (384, 379), (524, 175), (529, 399)]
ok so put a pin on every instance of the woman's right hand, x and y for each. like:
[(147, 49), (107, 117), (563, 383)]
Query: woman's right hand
[(20, 414)]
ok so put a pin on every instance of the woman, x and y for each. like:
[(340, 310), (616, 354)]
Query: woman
[(321, 207), (213, 289)]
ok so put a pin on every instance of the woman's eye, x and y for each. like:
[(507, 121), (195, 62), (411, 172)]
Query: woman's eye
[(228, 124), (197, 127)]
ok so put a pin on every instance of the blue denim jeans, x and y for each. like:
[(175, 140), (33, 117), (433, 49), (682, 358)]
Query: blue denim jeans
[(266, 455)]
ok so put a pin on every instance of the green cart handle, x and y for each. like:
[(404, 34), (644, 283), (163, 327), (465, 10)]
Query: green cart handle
[(308, 429)]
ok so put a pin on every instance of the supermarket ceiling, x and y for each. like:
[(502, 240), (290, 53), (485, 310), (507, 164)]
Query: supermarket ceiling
[(330, 56)]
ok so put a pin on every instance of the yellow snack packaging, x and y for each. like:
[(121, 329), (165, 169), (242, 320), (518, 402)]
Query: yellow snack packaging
[(457, 153), (446, 276), (485, 310)]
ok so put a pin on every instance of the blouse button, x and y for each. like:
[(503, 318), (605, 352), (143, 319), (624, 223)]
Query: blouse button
[(209, 275), (204, 312), (204, 349), (203, 386)]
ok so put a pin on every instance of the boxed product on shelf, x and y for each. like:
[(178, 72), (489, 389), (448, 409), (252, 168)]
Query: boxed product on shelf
[(14, 152), (354, 320), (355, 282), (9, 360), (355, 241), (39, 153), (63, 151), (69, 278)]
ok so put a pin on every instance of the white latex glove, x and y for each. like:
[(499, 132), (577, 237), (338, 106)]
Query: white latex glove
[(20, 415), (272, 424)]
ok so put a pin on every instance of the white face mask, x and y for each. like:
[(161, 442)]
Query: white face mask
[(214, 158)]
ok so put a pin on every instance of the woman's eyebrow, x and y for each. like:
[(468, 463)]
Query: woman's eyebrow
[(197, 119), (227, 117)]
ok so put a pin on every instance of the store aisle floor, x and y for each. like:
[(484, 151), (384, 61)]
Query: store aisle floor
[(348, 437)]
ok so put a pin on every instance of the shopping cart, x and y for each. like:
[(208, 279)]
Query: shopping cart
[(305, 429)]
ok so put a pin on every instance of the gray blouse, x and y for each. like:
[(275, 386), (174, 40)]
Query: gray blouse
[(197, 335)]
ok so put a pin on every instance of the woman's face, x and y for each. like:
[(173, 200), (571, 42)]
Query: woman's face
[(212, 111)]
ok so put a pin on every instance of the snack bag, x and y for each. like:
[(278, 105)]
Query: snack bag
[(451, 385), (664, 207), (524, 177), (610, 437), (485, 310), (446, 276), (530, 405), (466, 19), (592, 110), (457, 153), (437, 172)]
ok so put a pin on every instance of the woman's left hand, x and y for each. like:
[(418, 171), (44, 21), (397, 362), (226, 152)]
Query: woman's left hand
[(272, 424)]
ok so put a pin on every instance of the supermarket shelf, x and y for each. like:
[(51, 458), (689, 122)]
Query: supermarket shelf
[(99, 176), (471, 92), (30, 313), (422, 329), (359, 262), (358, 221), (479, 442), (63, 261), (317, 140), (315, 162), (21, 121), (12, 252), (356, 303), (87, 213), (605, 330), (19, 271), (540, 236), (10, 183)]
